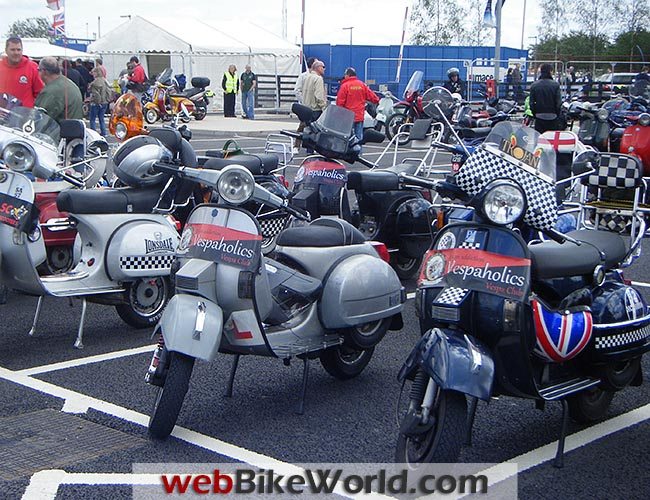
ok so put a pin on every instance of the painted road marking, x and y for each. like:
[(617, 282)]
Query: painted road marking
[(642, 284)]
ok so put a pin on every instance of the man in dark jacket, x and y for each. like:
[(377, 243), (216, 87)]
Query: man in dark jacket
[(455, 85), (546, 101)]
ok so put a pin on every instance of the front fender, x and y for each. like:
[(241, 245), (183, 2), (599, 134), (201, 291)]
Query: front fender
[(458, 363), (192, 325)]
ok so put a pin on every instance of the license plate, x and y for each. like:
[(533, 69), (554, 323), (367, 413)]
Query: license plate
[(457, 158)]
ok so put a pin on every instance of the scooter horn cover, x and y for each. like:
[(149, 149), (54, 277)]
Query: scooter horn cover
[(561, 335)]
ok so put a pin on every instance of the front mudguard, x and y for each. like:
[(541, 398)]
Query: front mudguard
[(454, 362), (192, 325)]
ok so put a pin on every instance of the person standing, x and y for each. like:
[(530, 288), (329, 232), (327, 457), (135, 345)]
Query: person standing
[(230, 86), (313, 89), (248, 83), (454, 84), (86, 77), (19, 74), (99, 63), (60, 97), (297, 90), (353, 95), (100, 96), (516, 82), (546, 101)]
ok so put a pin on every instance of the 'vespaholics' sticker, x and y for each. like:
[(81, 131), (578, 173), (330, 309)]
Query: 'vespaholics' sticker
[(321, 172), (478, 270), (17, 213), (223, 245)]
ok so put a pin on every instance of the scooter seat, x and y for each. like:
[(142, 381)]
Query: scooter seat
[(474, 133), (404, 168), (321, 233), (257, 164), (555, 260), (373, 180), (124, 200)]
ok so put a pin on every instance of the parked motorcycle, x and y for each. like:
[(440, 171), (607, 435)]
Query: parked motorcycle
[(409, 109), (636, 141), (308, 302), (123, 251), (165, 104), (380, 209), (553, 321), (199, 95)]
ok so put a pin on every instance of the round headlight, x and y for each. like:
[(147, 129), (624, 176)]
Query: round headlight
[(644, 119), (504, 203), (602, 114), (120, 131), (235, 184), (19, 157)]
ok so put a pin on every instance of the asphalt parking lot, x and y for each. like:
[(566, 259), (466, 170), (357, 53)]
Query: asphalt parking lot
[(73, 422)]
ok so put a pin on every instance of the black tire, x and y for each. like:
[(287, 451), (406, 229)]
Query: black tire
[(151, 116), (617, 376), (366, 335), (343, 362), (146, 300), (394, 122), (443, 442), (590, 405), (200, 112), (169, 399), (405, 267)]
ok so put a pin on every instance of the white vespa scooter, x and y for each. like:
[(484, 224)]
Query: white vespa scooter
[(123, 251), (328, 294)]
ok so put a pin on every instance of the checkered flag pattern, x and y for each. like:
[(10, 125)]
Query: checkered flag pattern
[(616, 171), (272, 226), (483, 167), (146, 262), (613, 222), (451, 296), (623, 339), (471, 245)]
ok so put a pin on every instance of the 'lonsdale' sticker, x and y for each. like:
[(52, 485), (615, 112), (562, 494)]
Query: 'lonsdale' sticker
[(222, 245), (17, 213), (478, 270)]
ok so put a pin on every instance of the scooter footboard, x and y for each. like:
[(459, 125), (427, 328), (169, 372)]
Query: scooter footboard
[(192, 325), (458, 363)]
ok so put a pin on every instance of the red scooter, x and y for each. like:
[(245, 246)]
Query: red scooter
[(407, 110), (636, 141)]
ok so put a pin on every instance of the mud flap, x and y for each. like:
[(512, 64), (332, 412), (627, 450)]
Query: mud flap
[(193, 326), (455, 362)]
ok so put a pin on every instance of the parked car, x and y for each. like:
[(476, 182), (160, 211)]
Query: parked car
[(612, 83)]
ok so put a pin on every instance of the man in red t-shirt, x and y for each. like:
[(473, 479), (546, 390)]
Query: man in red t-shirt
[(353, 95), (137, 78), (19, 74)]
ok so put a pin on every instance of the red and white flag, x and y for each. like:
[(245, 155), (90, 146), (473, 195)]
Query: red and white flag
[(55, 4)]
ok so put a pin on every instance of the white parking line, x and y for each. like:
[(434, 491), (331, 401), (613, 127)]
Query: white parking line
[(642, 284), (85, 361)]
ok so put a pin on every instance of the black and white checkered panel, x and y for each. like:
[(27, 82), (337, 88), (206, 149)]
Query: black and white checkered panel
[(616, 171), (272, 226), (146, 262), (483, 167), (451, 296), (471, 246), (622, 339)]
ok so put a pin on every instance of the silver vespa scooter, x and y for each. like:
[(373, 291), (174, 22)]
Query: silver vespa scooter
[(123, 251), (327, 294)]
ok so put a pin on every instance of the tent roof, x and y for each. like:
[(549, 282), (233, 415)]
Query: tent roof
[(190, 35), (37, 48)]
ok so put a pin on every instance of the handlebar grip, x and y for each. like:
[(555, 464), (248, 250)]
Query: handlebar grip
[(556, 236), (291, 134), (298, 212), (72, 180), (166, 168)]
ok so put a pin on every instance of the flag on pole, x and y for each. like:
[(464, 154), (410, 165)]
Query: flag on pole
[(58, 24), (55, 4), (488, 17), (401, 46)]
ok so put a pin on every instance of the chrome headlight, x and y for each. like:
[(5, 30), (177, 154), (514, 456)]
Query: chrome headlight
[(644, 119), (19, 157), (236, 184), (504, 203), (120, 131), (602, 114)]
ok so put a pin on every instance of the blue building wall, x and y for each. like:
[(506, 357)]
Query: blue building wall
[(338, 57)]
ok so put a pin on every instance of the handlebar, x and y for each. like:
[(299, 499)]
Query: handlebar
[(72, 180), (166, 168), (298, 212), (291, 134), (561, 238)]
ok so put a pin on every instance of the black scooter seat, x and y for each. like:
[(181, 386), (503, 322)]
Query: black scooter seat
[(125, 200), (554, 260), (474, 133), (404, 168), (188, 92), (321, 233), (257, 164), (373, 180)]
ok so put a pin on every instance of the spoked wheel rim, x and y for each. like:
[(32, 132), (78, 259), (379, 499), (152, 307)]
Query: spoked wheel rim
[(350, 355), (148, 296), (369, 329), (151, 116)]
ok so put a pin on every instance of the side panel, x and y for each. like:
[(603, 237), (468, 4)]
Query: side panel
[(192, 325)]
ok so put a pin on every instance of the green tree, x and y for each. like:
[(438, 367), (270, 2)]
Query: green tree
[(476, 33), (437, 22), (32, 27)]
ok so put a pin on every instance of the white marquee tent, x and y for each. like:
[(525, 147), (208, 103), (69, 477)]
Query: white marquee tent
[(37, 48), (196, 48)]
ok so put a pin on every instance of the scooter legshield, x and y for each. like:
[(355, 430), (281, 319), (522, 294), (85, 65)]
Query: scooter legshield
[(192, 325), (456, 363)]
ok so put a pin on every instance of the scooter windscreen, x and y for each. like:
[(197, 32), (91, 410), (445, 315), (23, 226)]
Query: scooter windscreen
[(30, 122), (414, 84), (438, 103), (332, 131)]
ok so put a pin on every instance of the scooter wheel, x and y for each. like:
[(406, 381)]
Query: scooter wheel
[(199, 113), (393, 124), (405, 267), (169, 399), (343, 362), (151, 116), (146, 299), (366, 335), (590, 405)]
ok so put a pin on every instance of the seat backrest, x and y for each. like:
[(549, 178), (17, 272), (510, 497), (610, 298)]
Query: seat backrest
[(420, 129), (616, 171), (73, 129)]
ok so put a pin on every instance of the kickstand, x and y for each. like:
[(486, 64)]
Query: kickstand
[(36, 315), (558, 463), (473, 402), (79, 342), (305, 378), (231, 379)]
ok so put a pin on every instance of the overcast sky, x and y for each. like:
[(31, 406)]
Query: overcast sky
[(376, 22)]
